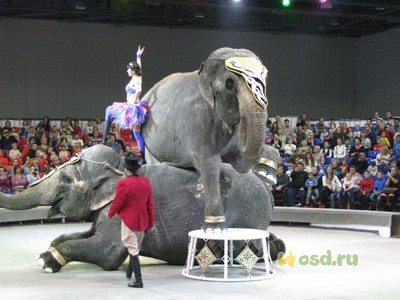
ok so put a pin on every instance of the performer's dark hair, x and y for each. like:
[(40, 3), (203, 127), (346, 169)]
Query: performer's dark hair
[(134, 66)]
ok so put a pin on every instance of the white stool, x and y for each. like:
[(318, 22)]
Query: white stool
[(244, 270)]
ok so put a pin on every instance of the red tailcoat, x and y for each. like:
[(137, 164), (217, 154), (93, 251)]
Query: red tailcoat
[(134, 204)]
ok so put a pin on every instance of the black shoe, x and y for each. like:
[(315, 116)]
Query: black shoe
[(138, 283), (142, 160)]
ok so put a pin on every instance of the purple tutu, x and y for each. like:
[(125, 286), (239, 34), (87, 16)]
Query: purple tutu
[(128, 115)]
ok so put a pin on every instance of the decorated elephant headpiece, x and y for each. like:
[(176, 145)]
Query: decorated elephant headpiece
[(246, 64)]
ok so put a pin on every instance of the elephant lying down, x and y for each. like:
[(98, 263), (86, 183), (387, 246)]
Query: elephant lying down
[(83, 189)]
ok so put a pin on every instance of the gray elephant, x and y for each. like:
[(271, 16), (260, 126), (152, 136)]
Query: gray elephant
[(83, 188), (200, 118)]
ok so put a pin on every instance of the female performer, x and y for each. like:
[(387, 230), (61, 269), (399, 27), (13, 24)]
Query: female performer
[(131, 114)]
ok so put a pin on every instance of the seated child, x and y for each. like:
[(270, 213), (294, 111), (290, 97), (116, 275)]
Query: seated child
[(373, 169), (344, 166), (312, 190), (357, 131), (14, 152), (64, 154)]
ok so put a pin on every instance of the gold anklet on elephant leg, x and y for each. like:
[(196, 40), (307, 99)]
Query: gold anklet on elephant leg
[(57, 256), (214, 219), (268, 162)]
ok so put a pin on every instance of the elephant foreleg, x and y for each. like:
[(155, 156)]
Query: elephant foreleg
[(103, 247), (51, 260), (209, 168), (73, 236)]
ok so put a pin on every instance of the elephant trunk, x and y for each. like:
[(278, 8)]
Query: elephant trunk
[(37, 195), (251, 126)]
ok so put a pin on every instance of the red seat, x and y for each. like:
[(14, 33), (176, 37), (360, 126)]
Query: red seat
[(64, 159), (86, 138), (24, 151), (134, 145), (4, 162), (20, 161), (125, 134), (22, 142), (43, 163)]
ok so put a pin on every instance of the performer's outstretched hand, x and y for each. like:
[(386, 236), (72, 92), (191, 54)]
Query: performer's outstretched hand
[(140, 50)]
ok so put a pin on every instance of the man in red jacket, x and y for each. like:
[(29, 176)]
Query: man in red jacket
[(133, 202)]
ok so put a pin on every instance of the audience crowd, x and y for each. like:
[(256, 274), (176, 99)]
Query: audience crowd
[(322, 164), (334, 165), (30, 151)]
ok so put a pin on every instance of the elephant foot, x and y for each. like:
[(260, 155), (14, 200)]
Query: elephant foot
[(272, 236), (47, 262), (275, 247), (214, 224)]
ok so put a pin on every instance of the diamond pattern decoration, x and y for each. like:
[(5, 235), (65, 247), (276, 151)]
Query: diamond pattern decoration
[(247, 259), (205, 258)]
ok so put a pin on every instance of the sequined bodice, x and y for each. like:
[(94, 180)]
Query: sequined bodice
[(129, 92)]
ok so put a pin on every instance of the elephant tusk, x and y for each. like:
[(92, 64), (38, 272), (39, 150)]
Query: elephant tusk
[(112, 169)]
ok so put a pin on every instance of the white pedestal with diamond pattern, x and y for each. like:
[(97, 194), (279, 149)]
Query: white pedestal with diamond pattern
[(224, 268)]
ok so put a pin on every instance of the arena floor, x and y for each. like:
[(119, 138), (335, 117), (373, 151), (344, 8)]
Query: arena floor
[(376, 274)]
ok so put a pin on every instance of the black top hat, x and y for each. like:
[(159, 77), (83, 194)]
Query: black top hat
[(131, 163)]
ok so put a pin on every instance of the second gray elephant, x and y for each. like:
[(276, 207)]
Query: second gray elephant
[(200, 118)]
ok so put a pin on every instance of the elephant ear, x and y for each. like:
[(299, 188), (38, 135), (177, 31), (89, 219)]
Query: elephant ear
[(103, 188), (205, 85)]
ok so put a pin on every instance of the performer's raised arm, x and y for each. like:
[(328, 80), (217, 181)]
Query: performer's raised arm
[(139, 55)]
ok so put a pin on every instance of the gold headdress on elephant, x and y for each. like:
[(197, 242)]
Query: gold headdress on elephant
[(254, 74)]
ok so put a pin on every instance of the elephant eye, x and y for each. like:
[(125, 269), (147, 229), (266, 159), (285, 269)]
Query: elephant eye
[(66, 179), (229, 84)]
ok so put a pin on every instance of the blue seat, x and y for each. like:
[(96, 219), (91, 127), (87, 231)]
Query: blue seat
[(372, 154), (386, 169), (318, 142), (370, 160), (328, 161)]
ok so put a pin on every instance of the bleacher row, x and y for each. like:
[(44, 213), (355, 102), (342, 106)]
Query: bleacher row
[(371, 156), (123, 135)]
